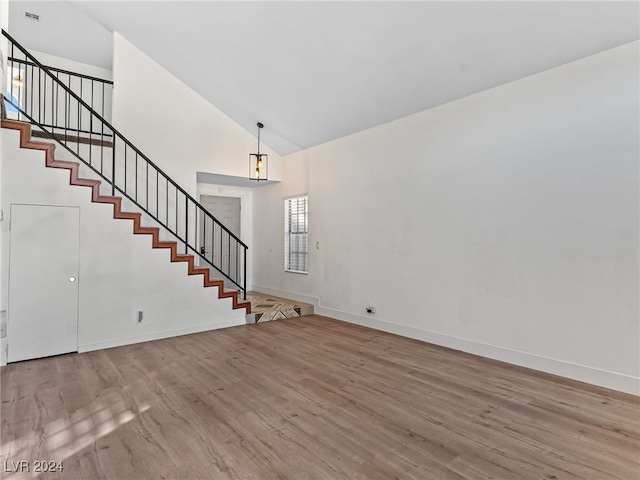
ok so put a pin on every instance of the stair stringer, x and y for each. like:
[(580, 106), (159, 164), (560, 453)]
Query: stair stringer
[(116, 202)]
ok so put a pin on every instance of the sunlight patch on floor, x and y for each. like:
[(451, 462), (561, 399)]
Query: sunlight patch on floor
[(64, 437)]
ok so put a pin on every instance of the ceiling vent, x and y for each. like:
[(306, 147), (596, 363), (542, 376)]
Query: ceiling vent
[(32, 16)]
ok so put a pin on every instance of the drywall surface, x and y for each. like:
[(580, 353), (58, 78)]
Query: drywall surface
[(71, 65), (504, 223), (119, 272), (175, 127)]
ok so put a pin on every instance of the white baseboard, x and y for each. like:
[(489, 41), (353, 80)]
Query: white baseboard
[(603, 378), (3, 353), (3, 338), (119, 342)]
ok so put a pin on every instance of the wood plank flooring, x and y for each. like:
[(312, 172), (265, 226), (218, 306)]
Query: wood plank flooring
[(308, 398)]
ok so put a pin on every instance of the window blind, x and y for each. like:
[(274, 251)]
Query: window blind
[(296, 230)]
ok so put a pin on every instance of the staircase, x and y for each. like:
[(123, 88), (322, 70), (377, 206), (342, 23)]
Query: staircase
[(130, 177), (118, 213)]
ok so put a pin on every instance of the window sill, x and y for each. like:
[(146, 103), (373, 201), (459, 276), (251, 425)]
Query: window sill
[(296, 271)]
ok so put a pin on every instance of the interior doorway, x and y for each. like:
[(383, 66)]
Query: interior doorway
[(215, 244), (43, 281)]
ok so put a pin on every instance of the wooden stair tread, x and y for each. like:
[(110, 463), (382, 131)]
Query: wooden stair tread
[(86, 182), (199, 271), (63, 164), (148, 230), (107, 199), (163, 244)]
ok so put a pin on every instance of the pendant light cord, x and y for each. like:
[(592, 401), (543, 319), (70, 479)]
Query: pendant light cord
[(260, 125)]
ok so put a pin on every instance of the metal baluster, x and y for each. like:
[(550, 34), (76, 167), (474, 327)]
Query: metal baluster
[(228, 255), (237, 261), (244, 278), (57, 109), (213, 238), (40, 119), (203, 232), (28, 109), (113, 166), (146, 185), (91, 137), (209, 254), (177, 231), (53, 108), (43, 100), (186, 225), (12, 96), (29, 85), (102, 130), (79, 118), (68, 106), (125, 168), (66, 94), (21, 90), (91, 126)]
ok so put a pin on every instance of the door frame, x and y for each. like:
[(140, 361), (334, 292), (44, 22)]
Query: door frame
[(241, 224), (245, 194), (11, 281)]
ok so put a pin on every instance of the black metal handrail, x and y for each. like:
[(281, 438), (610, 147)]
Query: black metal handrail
[(125, 168), (67, 72)]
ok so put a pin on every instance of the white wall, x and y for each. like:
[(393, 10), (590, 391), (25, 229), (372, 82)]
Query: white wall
[(503, 224), (175, 127), (119, 272), (71, 65)]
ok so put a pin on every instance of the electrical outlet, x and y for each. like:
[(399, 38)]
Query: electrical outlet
[(140, 316)]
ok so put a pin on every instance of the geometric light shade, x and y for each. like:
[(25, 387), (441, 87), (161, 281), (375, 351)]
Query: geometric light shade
[(258, 166), (258, 162)]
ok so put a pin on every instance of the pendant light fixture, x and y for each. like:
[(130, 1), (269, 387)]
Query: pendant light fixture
[(258, 162)]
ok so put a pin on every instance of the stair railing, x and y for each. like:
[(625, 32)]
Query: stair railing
[(37, 94), (96, 92)]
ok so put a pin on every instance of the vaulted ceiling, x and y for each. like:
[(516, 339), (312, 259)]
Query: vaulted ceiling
[(316, 71)]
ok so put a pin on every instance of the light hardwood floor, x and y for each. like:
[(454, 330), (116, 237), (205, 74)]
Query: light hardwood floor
[(309, 398)]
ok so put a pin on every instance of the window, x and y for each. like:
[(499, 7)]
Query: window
[(296, 230)]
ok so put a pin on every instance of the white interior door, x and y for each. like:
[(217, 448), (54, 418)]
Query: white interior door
[(42, 315), (217, 248)]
